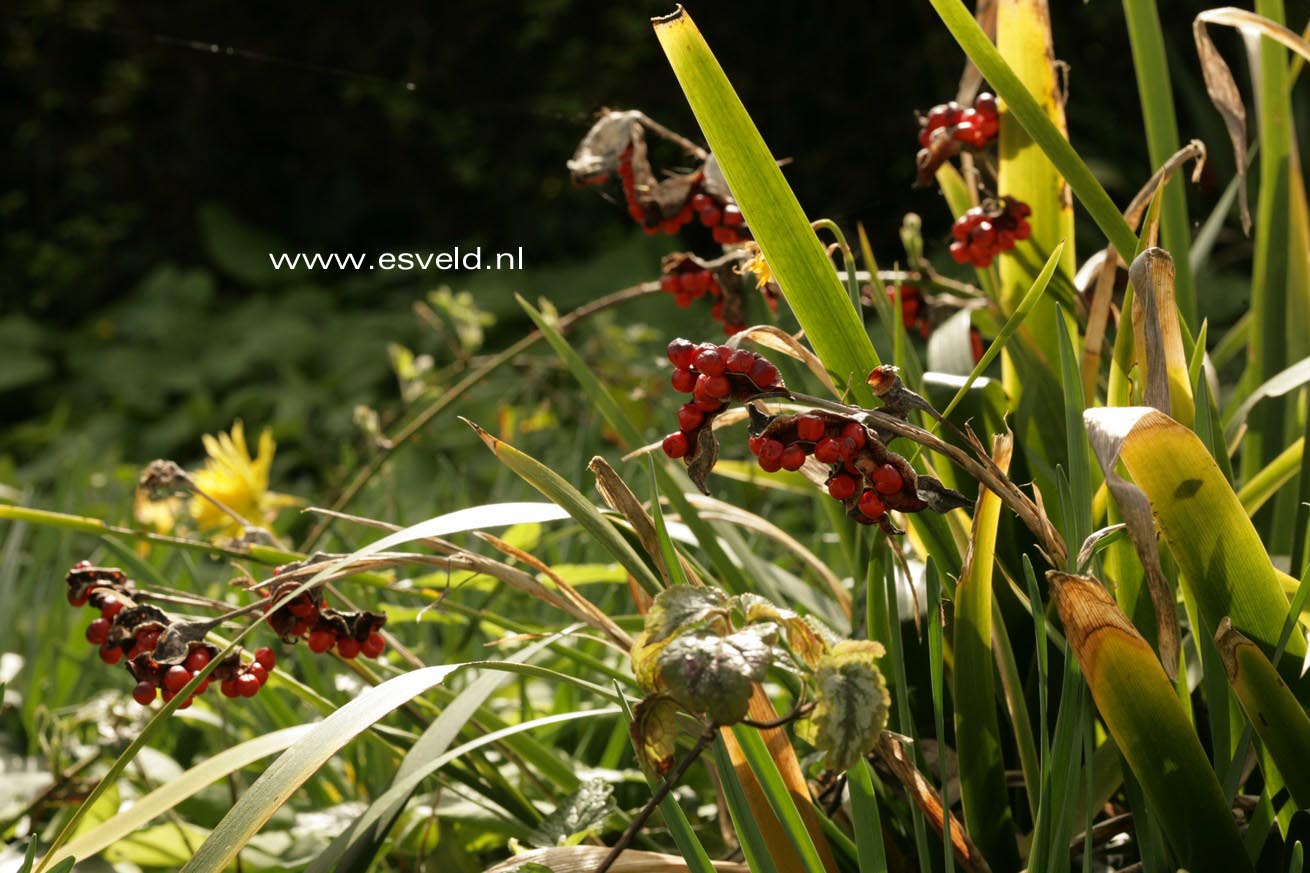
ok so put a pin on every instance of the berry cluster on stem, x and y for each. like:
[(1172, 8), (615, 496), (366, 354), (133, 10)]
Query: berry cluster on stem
[(714, 376), (163, 654), (861, 472), (974, 126), (985, 231), (307, 615)]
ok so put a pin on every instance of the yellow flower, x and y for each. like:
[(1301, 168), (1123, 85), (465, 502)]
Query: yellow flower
[(238, 481), (758, 266), (230, 476)]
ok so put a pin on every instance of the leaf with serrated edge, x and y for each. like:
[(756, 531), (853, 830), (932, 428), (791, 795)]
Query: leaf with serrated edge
[(851, 702)]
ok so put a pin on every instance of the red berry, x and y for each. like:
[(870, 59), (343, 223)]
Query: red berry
[(701, 201), (176, 678), (871, 504), (675, 445), (764, 374), (711, 216), (985, 103), (827, 450), (771, 450), (144, 693), (302, 607), (347, 647), (111, 654), (257, 670), (846, 448), (754, 444), (247, 685), (97, 632), (770, 465), (190, 700), (681, 353), (710, 362), (669, 283), (300, 628), (793, 458), (741, 361), (266, 657), (228, 688), (689, 417), (373, 646), (76, 600), (320, 641), (684, 381), (111, 609), (711, 387), (887, 479), (147, 639), (841, 486), (198, 660), (855, 432), (810, 428), (709, 404), (732, 215), (959, 252)]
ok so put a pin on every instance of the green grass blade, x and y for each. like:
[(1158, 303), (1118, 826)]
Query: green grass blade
[(936, 667), (1035, 292), (175, 791), (799, 262), (1279, 721), (1267, 349), (1155, 91), (753, 846), (355, 847), (557, 488), (780, 799), (977, 729), (866, 821)]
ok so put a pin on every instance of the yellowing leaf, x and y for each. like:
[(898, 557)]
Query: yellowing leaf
[(716, 675), (851, 703)]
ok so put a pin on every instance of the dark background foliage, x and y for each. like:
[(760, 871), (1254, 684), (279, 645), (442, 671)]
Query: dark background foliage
[(149, 174)]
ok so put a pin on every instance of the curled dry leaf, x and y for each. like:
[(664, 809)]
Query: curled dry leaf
[(1106, 436), (1225, 96)]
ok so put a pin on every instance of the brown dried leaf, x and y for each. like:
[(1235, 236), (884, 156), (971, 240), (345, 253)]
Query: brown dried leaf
[(1225, 96)]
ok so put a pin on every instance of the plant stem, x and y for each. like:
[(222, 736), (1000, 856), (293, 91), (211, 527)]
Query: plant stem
[(702, 743)]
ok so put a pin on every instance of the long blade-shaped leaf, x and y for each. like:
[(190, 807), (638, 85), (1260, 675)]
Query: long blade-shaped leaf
[(799, 262), (1148, 722), (977, 728)]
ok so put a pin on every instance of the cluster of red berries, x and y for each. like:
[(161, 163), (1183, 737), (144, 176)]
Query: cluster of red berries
[(688, 278), (324, 628), (836, 442), (725, 221), (973, 126), (627, 176), (988, 230), (128, 630), (244, 679), (713, 376)]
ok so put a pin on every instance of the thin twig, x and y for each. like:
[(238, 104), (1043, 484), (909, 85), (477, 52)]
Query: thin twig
[(703, 743)]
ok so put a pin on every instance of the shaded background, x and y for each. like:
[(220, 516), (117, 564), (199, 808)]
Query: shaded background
[(148, 176)]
